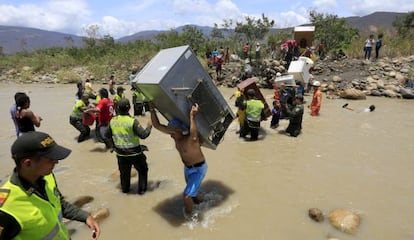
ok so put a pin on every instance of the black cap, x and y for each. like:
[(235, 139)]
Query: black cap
[(38, 144), (251, 92), (120, 88)]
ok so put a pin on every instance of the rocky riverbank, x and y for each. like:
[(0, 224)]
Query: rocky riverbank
[(345, 78), (340, 78)]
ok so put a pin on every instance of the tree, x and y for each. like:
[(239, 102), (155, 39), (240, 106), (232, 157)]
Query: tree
[(193, 37), (253, 30), (92, 34), (405, 25), (216, 34), (332, 31), (107, 41), (170, 39)]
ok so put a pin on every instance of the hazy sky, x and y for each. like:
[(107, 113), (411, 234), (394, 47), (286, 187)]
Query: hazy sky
[(125, 17)]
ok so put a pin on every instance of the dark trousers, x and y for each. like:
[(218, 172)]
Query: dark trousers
[(294, 129), (275, 119), (125, 164), (248, 128), (139, 109), (377, 52), (84, 130)]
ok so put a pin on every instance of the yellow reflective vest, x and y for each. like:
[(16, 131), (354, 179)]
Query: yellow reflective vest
[(76, 110), (37, 217), (254, 109), (123, 136)]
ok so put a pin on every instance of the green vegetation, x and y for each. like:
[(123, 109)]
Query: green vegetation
[(103, 56)]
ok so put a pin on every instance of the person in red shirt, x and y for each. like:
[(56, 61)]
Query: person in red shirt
[(106, 111)]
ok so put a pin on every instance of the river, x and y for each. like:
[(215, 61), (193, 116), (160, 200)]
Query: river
[(253, 190)]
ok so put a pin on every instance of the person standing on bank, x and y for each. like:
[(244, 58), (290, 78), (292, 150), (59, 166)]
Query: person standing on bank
[(254, 115), (31, 204), (295, 115), (111, 85), (316, 103), (126, 132), (378, 45), (187, 143), (368, 47)]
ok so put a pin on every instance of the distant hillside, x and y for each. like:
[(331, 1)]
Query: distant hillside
[(15, 39), (150, 35), (381, 20)]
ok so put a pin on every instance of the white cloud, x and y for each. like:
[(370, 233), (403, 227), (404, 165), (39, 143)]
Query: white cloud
[(54, 15), (123, 18), (191, 7), (325, 6)]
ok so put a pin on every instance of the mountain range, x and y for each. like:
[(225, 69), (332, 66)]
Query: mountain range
[(16, 39)]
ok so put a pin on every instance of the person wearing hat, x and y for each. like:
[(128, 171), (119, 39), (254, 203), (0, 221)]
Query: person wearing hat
[(254, 109), (31, 204), (75, 118), (187, 143), (125, 133), (295, 115), (315, 106), (118, 96)]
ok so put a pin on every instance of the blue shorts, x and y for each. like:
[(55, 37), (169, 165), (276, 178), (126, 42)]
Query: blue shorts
[(193, 177)]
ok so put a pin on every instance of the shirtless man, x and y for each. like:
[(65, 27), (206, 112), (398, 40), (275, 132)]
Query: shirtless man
[(188, 146)]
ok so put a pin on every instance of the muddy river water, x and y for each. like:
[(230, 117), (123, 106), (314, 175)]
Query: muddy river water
[(253, 190)]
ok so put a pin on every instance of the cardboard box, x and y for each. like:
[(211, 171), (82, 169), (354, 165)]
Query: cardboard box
[(174, 80)]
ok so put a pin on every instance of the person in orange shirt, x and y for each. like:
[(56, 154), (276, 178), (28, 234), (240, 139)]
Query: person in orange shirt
[(317, 99)]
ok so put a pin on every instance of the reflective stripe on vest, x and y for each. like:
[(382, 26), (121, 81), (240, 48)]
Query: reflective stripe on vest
[(123, 132), (254, 109), (37, 217)]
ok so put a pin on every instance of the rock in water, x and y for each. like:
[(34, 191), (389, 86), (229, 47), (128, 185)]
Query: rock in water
[(82, 200), (352, 93), (316, 214), (344, 220), (100, 214)]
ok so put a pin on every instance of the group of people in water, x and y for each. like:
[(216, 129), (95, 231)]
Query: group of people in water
[(287, 104), (121, 133)]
